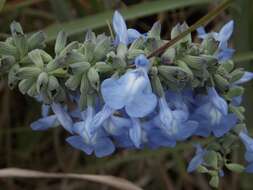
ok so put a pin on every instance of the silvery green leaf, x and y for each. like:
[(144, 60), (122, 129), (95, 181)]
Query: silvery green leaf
[(7, 49), (155, 31), (28, 72), (236, 75), (25, 84), (214, 182), (240, 127), (59, 72), (80, 67), (101, 49), (37, 40), (35, 56), (209, 45), (211, 159), (90, 36), (75, 56), (69, 48), (53, 83), (93, 78), (61, 42), (228, 141), (202, 169), (157, 85), (41, 81), (32, 91), (195, 62), (237, 112), (84, 87), (103, 67), (137, 44), (12, 76), (73, 81), (235, 167)]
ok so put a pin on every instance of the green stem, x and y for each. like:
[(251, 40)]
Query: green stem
[(201, 22)]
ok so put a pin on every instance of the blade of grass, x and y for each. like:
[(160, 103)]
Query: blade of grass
[(14, 6), (112, 181), (2, 2), (135, 11), (243, 57), (61, 9)]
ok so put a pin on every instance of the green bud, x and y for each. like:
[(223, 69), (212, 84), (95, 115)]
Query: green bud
[(236, 75), (6, 63), (214, 182), (60, 43), (169, 55), (155, 31), (84, 87), (45, 56), (75, 56), (37, 40), (134, 53), (184, 66), (221, 82), (228, 65), (93, 77), (211, 159), (21, 44), (90, 36), (121, 50), (237, 112), (41, 81), (240, 127), (16, 28), (103, 67), (209, 45), (25, 84), (82, 101), (202, 169), (7, 49), (28, 72), (80, 67), (234, 92), (71, 46), (101, 49), (178, 29), (32, 91), (36, 58), (12, 76), (156, 83), (235, 167), (53, 83), (118, 63), (73, 82), (137, 44), (88, 51)]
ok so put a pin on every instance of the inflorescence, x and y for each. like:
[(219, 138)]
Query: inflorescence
[(107, 94)]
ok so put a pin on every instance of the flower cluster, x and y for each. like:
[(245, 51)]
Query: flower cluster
[(107, 94)]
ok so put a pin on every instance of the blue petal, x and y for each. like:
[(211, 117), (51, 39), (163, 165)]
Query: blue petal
[(44, 123), (249, 156), (197, 160), (141, 61), (62, 116), (45, 110), (186, 130), (226, 31), (201, 32), (120, 27), (133, 35), (78, 143), (103, 147), (117, 125), (225, 54), (247, 141), (227, 123), (219, 102), (142, 105), (247, 76), (135, 133)]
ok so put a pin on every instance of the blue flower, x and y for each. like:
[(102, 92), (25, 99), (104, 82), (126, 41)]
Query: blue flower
[(135, 132), (123, 35), (213, 116), (131, 91), (175, 124), (63, 117), (45, 123), (197, 160), (248, 142), (99, 143), (117, 126)]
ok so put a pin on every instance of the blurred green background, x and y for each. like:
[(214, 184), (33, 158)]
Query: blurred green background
[(163, 169)]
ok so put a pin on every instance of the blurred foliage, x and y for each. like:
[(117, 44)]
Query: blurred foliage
[(151, 169)]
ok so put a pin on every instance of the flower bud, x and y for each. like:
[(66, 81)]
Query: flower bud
[(36, 58), (93, 77), (28, 72), (61, 42), (80, 67), (73, 82), (53, 83), (7, 49), (101, 49), (25, 84), (41, 81), (236, 75), (221, 82), (37, 40), (103, 67)]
